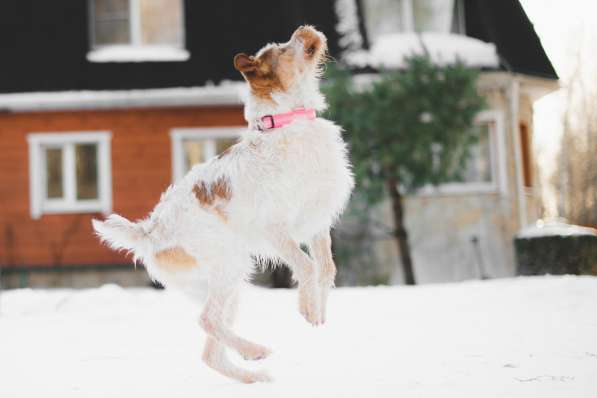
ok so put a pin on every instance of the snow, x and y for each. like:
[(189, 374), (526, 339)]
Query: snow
[(542, 229), (523, 337), (348, 25), (128, 53), (226, 93), (390, 50)]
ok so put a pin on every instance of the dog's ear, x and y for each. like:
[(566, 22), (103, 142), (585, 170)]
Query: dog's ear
[(243, 63)]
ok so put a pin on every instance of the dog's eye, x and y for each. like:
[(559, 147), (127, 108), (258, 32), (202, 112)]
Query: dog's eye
[(310, 50)]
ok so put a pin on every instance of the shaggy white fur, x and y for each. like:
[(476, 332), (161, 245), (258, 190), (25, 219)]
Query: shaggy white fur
[(271, 192)]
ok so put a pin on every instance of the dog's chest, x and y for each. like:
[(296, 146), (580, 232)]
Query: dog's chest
[(316, 176)]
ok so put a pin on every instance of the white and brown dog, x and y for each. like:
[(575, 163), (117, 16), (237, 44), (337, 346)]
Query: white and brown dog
[(284, 183)]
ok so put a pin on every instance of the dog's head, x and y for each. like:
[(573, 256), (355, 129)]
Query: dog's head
[(277, 67)]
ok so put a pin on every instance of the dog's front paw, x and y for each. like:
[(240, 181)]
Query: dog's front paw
[(255, 352), (261, 376), (309, 304)]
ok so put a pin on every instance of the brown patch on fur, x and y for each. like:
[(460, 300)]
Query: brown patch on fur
[(175, 259), (312, 42), (264, 80), (203, 193), (218, 191), (221, 189), (270, 71)]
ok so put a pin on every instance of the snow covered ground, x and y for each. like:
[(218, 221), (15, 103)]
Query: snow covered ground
[(524, 337)]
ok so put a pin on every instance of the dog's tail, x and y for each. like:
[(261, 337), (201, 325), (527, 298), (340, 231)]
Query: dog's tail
[(121, 234)]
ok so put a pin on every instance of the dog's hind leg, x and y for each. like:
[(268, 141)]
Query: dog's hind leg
[(216, 319), (214, 354)]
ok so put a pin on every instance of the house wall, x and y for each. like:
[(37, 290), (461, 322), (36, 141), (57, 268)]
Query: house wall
[(470, 235), (141, 170)]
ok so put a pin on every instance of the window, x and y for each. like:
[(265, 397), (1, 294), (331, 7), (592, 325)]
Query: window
[(479, 167), (191, 146), (485, 168), (137, 30), (69, 173), (395, 16)]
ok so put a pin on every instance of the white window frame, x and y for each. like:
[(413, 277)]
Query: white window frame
[(39, 203), (408, 18), (207, 134), (497, 147), (135, 51)]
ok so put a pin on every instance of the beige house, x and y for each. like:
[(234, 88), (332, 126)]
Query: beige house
[(460, 230), (465, 230)]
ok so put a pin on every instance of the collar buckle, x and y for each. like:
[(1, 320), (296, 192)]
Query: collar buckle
[(262, 123)]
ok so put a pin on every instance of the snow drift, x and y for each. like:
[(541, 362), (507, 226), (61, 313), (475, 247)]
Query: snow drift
[(524, 337)]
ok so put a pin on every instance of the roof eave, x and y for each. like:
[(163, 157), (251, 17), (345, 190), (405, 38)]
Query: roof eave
[(224, 95)]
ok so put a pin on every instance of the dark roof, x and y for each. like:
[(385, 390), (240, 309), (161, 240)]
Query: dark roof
[(505, 23), (44, 43)]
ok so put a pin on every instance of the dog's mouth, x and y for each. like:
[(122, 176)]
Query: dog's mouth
[(313, 42)]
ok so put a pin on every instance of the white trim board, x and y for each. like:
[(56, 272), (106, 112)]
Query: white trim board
[(497, 145), (227, 93), (38, 203)]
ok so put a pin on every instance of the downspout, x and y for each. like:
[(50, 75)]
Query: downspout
[(514, 112)]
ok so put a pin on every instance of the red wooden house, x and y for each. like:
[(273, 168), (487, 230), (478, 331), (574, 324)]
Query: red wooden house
[(103, 103)]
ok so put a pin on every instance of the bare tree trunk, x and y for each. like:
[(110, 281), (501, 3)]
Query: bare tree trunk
[(401, 234)]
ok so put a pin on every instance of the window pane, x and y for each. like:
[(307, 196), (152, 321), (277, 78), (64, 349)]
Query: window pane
[(224, 143), (110, 9), (433, 15), (161, 22), (54, 181), (112, 32), (87, 171), (111, 24), (382, 17), (478, 167), (194, 152)]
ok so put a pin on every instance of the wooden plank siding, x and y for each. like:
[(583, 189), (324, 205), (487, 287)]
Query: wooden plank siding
[(141, 170)]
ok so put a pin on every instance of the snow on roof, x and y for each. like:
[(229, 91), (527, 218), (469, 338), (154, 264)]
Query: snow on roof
[(227, 93), (348, 25), (542, 229), (390, 51)]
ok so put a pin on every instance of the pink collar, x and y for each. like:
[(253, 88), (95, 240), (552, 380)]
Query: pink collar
[(269, 122)]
